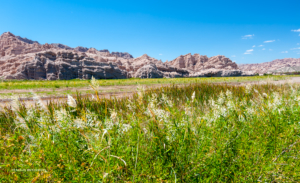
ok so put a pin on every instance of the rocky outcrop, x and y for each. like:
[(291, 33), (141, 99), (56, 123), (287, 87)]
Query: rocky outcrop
[(270, 66), (81, 49), (21, 58), (58, 45), (123, 55), (198, 62), (26, 40), (149, 71), (65, 66)]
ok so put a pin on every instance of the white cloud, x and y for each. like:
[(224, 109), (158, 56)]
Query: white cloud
[(298, 43), (233, 56), (264, 49), (248, 52), (253, 46), (270, 50), (269, 41), (296, 30), (160, 54), (295, 48), (260, 45), (248, 36), (284, 52)]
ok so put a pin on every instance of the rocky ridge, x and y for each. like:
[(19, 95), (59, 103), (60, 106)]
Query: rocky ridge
[(21, 58), (270, 66)]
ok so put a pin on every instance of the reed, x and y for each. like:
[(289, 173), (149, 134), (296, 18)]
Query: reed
[(201, 132)]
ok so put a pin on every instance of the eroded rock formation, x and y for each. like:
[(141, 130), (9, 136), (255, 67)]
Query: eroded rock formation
[(198, 62), (21, 58), (270, 66), (66, 65)]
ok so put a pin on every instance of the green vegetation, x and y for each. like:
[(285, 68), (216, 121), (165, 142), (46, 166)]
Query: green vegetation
[(198, 133), (35, 84)]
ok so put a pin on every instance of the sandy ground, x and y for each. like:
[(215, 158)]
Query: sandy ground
[(106, 91)]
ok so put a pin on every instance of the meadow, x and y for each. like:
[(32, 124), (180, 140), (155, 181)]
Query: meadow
[(201, 132), (76, 83)]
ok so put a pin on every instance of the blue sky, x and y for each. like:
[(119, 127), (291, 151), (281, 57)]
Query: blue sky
[(245, 31)]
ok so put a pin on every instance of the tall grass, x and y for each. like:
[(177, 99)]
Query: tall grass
[(197, 133)]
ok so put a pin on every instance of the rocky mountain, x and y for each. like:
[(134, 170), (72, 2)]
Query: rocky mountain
[(22, 58), (198, 62), (270, 66)]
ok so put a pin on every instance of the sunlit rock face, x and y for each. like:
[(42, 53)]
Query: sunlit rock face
[(22, 58), (270, 66)]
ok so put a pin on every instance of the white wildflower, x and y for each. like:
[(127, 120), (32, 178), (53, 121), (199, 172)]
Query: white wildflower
[(61, 115), (145, 130), (140, 91), (221, 98), (71, 101), (20, 123), (248, 88), (113, 115), (94, 83), (126, 127), (109, 125), (79, 123), (188, 111), (229, 94), (193, 96)]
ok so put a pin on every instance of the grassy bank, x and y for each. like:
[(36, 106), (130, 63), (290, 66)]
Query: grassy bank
[(36, 84), (198, 133)]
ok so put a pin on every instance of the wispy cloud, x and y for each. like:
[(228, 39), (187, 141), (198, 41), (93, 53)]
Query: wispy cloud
[(233, 56), (295, 48), (269, 41), (253, 46), (270, 50), (160, 54), (248, 52), (264, 49), (248, 36), (284, 52), (296, 30), (260, 45)]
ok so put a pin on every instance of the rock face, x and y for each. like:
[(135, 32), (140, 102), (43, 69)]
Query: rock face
[(270, 66), (198, 62), (121, 54), (22, 58), (66, 65), (148, 71)]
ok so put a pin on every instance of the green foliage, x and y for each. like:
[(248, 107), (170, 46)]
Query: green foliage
[(197, 133)]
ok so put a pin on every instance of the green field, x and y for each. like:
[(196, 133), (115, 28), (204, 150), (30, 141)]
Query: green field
[(201, 132), (35, 84)]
